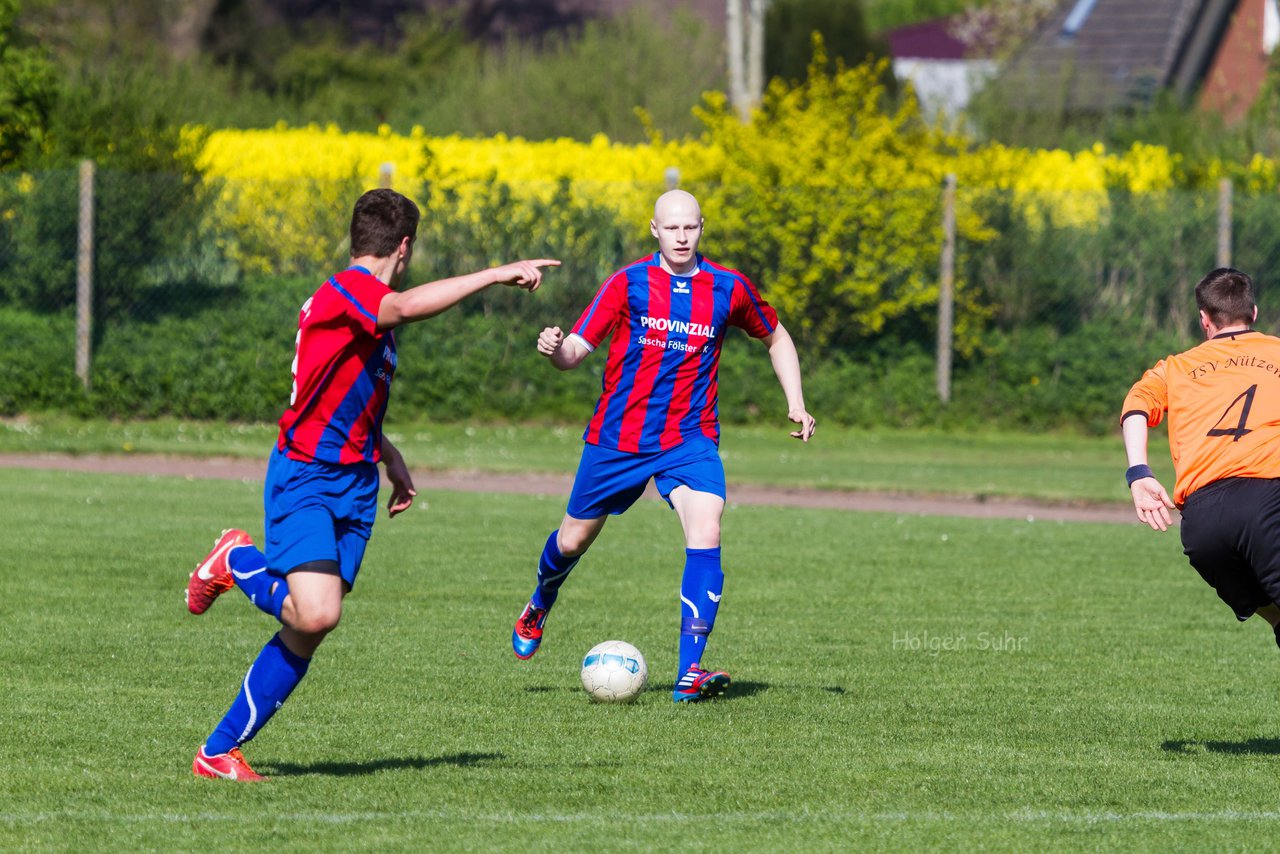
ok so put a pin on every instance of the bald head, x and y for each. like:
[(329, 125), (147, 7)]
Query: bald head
[(676, 203), (677, 224)]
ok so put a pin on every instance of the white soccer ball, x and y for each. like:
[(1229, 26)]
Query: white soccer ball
[(614, 672)]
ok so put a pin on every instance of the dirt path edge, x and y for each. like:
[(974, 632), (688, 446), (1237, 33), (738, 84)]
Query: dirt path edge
[(237, 468)]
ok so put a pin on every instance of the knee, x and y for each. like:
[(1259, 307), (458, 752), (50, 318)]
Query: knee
[(704, 535), (315, 620), (573, 540), (572, 545)]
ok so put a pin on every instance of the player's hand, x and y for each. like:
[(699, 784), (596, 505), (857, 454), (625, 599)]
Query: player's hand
[(806, 422), (1152, 503), (524, 274), (402, 491), (550, 340)]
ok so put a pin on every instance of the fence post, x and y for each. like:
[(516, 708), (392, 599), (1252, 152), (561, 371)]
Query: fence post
[(738, 97), (755, 49), (385, 174), (84, 274), (946, 289), (1224, 222)]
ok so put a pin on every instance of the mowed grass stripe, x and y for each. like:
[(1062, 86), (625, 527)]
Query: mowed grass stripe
[(1020, 816), (1043, 466), (899, 682)]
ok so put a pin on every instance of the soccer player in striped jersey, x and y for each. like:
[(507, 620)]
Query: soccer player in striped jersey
[(321, 491), (1222, 400), (666, 316)]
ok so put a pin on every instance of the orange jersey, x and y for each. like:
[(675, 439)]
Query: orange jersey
[(1223, 401)]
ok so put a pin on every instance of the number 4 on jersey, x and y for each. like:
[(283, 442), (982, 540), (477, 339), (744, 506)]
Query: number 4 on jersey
[(1239, 430)]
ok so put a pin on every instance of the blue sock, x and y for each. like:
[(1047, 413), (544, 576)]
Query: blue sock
[(274, 674), (265, 589), (700, 592), (553, 569)]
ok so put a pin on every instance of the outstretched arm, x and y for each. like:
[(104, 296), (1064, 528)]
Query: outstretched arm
[(1150, 500), (402, 491), (786, 364), (434, 297), (564, 353)]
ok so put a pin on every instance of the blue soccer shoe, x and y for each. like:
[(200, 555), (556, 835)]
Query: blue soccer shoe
[(697, 685)]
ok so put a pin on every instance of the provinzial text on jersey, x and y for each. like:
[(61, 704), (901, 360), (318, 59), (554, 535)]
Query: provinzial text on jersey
[(680, 327)]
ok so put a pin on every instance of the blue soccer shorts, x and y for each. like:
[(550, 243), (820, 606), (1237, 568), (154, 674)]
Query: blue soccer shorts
[(609, 481), (318, 512)]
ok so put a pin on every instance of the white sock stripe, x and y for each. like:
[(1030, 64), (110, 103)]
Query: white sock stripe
[(253, 710), (556, 577), (692, 607)]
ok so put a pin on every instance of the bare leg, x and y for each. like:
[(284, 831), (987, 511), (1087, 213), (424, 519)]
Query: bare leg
[(311, 610), (577, 535), (700, 514)]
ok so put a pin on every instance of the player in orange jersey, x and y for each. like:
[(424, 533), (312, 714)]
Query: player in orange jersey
[(1222, 398)]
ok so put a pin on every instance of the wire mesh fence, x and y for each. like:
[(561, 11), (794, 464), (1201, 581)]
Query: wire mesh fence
[(1060, 299)]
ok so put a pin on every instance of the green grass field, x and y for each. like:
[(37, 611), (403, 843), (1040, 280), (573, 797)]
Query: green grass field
[(1047, 467), (899, 683)]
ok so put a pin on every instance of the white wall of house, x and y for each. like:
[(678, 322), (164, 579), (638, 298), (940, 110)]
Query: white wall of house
[(945, 85)]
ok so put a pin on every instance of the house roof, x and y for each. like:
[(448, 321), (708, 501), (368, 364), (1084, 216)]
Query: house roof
[(927, 40), (1107, 53)]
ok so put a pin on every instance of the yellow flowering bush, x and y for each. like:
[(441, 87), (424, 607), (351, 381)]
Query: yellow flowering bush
[(1067, 189), (284, 193), (832, 203)]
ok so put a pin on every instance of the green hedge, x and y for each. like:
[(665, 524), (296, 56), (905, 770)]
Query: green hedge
[(1060, 321), (230, 361)]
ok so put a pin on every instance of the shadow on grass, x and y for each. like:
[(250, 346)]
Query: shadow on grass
[(348, 769), (737, 690), (1250, 746)]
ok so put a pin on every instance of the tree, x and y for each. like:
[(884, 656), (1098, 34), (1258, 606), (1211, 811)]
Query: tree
[(28, 87), (833, 201), (789, 29)]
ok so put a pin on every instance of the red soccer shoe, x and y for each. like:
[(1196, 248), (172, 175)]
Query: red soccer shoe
[(212, 577), (224, 766)]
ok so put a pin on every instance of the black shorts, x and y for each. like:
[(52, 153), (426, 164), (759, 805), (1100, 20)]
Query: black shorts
[(1231, 534)]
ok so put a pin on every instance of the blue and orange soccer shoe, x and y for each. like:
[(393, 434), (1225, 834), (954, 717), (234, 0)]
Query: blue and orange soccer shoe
[(697, 685), (212, 577), (224, 766), (526, 637)]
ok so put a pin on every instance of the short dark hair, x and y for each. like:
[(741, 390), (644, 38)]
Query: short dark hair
[(1226, 296), (381, 219)]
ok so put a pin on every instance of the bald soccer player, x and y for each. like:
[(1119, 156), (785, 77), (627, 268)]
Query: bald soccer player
[(665, 316)]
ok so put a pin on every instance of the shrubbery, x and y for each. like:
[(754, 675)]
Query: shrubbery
[(1073, 268)]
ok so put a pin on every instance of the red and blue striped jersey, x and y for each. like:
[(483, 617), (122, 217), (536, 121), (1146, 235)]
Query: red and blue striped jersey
[(342, 374), (660, 378)]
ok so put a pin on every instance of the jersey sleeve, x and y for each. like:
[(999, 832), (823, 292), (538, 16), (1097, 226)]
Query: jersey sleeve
[(359, 297), (749, 311), (599, 318), (1149, 396)]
